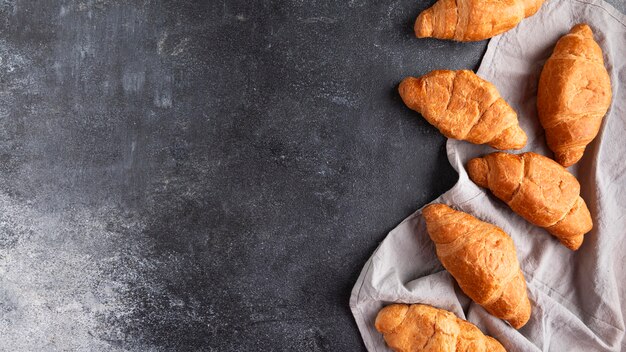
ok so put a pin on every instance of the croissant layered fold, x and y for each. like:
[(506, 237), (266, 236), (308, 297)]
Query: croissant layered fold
[(482, 259), (473, 20), (464, 106), (539, 190), (574, 94), (418, 327)]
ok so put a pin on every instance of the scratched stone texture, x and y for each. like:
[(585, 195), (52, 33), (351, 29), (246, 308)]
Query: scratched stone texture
[(205, 175)]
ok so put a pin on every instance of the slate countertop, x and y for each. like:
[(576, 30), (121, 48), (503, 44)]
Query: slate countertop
[(205, 175)]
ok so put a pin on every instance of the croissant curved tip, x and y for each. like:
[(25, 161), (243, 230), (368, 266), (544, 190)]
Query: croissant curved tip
[(433, 211), (406, 85), (523, 316), (390, 317), (410, 92), (582, 29), (518, 324), (572, 243), (513, 137), (569, 157), (571, 230), (493, 345), (477, 169), (424, 24)]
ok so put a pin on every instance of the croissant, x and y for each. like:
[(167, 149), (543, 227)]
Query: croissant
[(464, 106), (473, 20), (574, 94), (539, 190), (418, 327), (482, 259)]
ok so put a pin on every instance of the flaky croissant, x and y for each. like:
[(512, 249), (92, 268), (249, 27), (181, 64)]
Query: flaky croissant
[(464, 106), (418, 327), (482, 259), (473, 20), (539, 190), (574, 94)]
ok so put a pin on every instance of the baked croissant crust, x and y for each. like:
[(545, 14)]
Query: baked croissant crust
[(539, 190), (482, 259), (464, 106), (473, 20), (418, 327), (574, 94)]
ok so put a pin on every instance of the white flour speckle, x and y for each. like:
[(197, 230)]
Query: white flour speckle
[(133, 81), (163, 99), (50, 279), (10, 59), (180, 47), (161, 43), (320, 19)]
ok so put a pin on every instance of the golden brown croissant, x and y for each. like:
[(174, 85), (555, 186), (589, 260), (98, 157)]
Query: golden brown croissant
[(473, 20), (418, 327), (574, 94), (464, 106), (482, 259), (539, 190)]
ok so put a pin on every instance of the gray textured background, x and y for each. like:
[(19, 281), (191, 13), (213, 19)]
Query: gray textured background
[(207, 175)]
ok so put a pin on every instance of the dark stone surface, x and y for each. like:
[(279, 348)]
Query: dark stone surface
[(205, 175)]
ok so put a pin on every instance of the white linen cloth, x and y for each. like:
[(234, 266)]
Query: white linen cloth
[(578, 298)]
